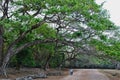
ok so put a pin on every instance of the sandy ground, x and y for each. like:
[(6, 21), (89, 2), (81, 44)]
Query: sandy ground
[(112, 74), (86, 74), (79, 74)]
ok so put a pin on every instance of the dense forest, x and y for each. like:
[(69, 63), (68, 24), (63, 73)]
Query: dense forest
[(57, 33)]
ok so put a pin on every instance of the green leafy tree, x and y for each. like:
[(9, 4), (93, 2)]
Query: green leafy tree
[(21, 18)]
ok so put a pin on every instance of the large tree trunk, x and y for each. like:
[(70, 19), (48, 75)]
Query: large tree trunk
[(12, 52), (4, 64), (5, 15), (1, 44)]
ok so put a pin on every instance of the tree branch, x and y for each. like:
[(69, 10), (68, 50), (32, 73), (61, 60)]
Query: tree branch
[(37, 12), (33, 43), (24, 34), (5, 9)]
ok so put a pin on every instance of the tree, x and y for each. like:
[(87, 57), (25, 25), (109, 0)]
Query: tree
[(68, 17)]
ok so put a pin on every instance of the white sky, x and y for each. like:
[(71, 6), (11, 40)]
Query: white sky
[(113, 7)]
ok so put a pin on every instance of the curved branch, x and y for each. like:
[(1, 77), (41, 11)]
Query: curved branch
[(37, 12), (41, 41), (33, 43), (24, 34)]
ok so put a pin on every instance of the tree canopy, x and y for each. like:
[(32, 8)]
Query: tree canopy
[(66, 25)]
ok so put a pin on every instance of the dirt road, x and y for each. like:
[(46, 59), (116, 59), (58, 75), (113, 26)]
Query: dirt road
[(86, 74)]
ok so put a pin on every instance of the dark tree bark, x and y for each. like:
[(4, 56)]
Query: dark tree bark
[(5, 15), (4, 64), (1, 44)]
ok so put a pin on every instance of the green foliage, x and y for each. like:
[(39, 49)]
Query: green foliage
[(103, 37), (28, 58), (110, 49), (46, 32), (23, 58), (77, 34), (56, 60), (27, 14)]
